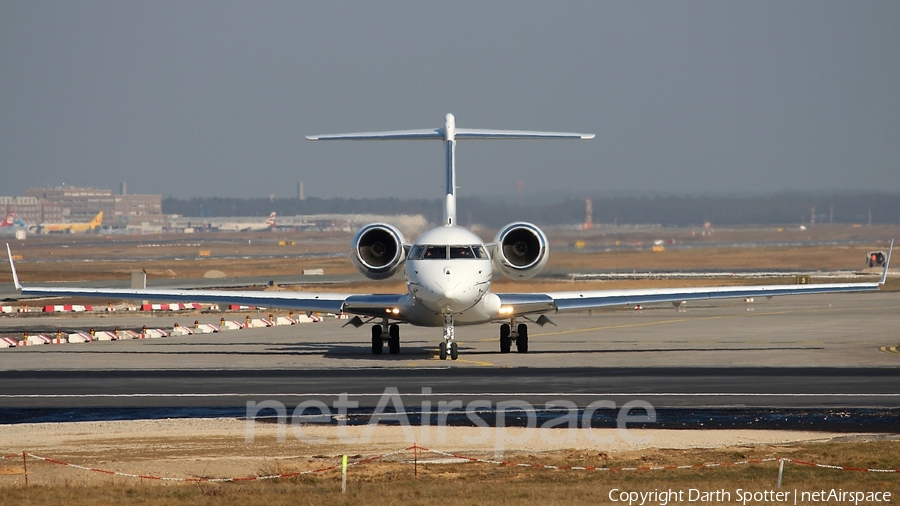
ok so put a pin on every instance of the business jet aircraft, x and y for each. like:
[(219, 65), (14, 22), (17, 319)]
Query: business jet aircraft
[(448, 271)]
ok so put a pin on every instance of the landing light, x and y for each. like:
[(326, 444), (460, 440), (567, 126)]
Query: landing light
[(506, 310), (392, 311)]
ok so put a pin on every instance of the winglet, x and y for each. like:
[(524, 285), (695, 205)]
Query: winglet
[(12, 267), (887, 263)]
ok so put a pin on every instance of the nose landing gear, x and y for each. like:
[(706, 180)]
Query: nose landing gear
[(449, 344)]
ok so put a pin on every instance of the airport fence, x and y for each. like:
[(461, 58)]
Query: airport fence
[(418, 452)]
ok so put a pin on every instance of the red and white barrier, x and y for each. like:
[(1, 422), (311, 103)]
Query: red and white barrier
[(181, 331), (7, 309), (231, 325), (206, 328), (175, 306), (37, 340), (68, 308), (237, 307), (259, 323), (105, 335), (80, 337), (121, 335)]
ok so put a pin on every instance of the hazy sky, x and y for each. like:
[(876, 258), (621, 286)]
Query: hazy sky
[(214, 98)]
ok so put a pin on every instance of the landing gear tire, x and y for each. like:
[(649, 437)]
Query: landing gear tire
[(442, 351), (394, 340), (522, 340), (454, 351), (377, 343), (505, 340)]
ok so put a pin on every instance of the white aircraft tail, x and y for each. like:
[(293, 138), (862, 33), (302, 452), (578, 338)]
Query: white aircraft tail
[(450, 134)]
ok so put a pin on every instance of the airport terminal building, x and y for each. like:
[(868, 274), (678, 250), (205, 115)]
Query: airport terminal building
[(82, 204), (31, 210)]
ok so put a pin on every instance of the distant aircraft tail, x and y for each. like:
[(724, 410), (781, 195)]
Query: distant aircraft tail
[(97, 221), (271, 221), (9, 221)]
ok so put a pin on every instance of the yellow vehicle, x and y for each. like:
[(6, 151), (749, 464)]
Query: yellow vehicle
[(72, 228)]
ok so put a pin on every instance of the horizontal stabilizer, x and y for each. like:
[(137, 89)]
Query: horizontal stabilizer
[(449, 133), (439, 133), (473, 133), (435, 133)]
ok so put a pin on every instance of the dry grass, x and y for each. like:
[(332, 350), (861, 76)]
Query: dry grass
[(474, 483), (62, 258)]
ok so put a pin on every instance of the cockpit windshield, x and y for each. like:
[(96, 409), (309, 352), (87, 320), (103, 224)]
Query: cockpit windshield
[(435, 252), (461, 252), (440, 252)]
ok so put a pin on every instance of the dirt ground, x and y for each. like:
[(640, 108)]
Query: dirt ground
[(218, 448)]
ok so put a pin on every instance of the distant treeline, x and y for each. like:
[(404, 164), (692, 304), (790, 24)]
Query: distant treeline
[(779, 208)]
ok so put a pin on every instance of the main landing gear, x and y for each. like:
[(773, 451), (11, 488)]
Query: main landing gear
[(510, 332), (449, 344), (392, 337)]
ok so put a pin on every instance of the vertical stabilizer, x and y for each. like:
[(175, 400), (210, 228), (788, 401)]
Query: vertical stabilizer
[(449, 134), (450, 145)]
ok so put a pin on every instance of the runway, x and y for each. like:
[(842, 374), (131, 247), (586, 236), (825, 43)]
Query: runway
[(810, 352), (662, 387)]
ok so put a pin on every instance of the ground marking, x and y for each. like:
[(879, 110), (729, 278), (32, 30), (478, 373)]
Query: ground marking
[(681, 320)]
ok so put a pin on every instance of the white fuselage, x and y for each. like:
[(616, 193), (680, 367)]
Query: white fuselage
[(448, 271)]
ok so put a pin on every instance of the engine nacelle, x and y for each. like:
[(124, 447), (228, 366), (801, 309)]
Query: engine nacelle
[(378, 251), (521, 250)]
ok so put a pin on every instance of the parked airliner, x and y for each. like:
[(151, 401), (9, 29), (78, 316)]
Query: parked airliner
[(448, 271), (71, 228)]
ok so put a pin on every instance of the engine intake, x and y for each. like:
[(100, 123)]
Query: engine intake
[(378, 251), (521, 250)]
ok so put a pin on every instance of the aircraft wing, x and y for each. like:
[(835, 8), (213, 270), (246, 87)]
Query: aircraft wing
[(358, 304), (561, 302)]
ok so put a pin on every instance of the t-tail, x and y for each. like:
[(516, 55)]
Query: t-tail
[(450, 134)]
